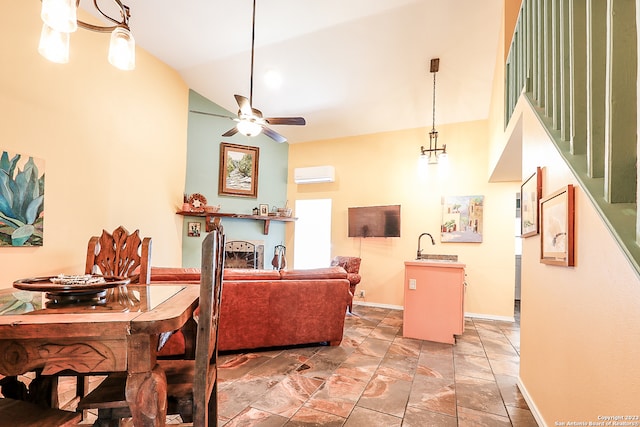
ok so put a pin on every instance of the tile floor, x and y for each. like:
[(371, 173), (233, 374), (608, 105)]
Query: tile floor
[(378, 378)]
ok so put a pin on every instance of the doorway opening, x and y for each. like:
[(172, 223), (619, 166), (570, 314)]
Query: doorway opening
[(312, 237)]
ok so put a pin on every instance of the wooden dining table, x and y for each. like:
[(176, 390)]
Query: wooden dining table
[(118, 331)]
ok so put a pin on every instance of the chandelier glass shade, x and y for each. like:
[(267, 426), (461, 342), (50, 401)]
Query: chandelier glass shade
[(60, 20), (54, 45), (60, 15)]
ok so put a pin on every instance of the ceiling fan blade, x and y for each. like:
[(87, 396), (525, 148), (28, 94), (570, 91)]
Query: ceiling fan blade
[(244, 104), (231, 131), (273, 135), (257, 113), (211, 114), (300, 121)]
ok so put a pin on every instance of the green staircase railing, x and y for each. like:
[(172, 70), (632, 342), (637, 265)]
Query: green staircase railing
[(575, 61)]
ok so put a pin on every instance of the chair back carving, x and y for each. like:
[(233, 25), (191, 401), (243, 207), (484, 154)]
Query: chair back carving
[(120, 254), (205, 380)]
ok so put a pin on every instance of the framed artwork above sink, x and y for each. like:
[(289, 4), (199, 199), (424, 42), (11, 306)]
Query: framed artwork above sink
[(462, 219)]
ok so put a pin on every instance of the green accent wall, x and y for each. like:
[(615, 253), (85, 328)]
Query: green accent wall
[(203, 157)]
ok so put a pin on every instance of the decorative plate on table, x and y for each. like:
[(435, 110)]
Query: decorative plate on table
[(197, 202), (70, 284)]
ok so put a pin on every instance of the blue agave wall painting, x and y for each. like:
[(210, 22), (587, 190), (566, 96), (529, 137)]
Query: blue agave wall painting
[(21, 201)]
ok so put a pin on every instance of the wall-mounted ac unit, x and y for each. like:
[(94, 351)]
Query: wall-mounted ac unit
[(314, 174)]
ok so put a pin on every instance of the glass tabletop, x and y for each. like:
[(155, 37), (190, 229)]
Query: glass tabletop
[(128, 298)]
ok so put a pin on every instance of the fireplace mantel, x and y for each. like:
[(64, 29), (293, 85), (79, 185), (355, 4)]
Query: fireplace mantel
[(210, 215)]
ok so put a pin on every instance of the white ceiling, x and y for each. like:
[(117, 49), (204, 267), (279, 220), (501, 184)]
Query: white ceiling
[(349, 67)]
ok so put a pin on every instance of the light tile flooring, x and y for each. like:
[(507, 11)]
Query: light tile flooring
[(378, 378)]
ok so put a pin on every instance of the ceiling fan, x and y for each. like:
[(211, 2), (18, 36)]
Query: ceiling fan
[(250, 120)]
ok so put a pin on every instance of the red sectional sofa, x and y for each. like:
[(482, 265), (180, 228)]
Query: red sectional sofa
[(269, 308)]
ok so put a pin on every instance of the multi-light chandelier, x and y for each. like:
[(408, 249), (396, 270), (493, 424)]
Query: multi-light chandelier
[(60, 20), (433, 153)]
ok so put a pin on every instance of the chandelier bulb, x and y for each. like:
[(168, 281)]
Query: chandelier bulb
[(122, 49), (54, 45), (61, 15)]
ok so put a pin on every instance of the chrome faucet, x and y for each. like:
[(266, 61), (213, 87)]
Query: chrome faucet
[(433, 242)]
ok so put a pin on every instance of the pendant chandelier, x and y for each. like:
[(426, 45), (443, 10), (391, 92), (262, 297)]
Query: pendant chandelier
[(433, 153), (60, 20)]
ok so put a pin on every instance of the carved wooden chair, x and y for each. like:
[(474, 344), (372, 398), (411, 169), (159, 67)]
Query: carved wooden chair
[(191, 384), (352, 266), (120, 254), (19, 413), (111, 254)]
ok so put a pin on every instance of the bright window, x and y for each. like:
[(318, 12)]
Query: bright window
[(312, 237)]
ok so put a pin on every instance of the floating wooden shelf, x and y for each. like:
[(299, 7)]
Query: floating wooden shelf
[(210, 215)]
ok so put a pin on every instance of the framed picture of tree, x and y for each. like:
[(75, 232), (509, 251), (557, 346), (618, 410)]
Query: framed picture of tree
[(238, 170)]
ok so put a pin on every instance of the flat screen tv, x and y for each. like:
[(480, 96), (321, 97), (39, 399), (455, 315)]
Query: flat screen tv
[(374, 221)]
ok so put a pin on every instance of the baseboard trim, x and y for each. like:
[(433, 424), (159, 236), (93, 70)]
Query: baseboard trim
[(490, 317), (532, 406), (472, 315), (373, 304)]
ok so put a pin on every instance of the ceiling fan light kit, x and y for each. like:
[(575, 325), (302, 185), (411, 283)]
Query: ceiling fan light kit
[(249, 128), (433, 153), (59, 19), (250, 121)]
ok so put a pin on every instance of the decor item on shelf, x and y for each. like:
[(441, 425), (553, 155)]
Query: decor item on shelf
[(60, 19), (238, 167), (255, 211), (250, 120), (557, 212), (197, 202), (264, 209), (462, 219), (286, 211), (433, 153), (211, 209), (186, 207), (530, 194), (21, 200)]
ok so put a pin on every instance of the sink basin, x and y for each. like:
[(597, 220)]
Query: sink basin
[(439, 258)]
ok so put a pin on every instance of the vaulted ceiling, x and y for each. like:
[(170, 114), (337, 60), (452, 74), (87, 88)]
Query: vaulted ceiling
[(350, 67)]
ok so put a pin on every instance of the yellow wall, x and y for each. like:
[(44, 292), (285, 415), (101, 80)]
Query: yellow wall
[(511, 13), (580, 325), (113, 142), (382, 169), (496, 111)]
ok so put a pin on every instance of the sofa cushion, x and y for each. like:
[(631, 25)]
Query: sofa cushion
[(314, 273), (250, 274)]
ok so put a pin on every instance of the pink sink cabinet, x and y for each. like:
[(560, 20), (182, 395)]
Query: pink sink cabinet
[(433, 300)]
